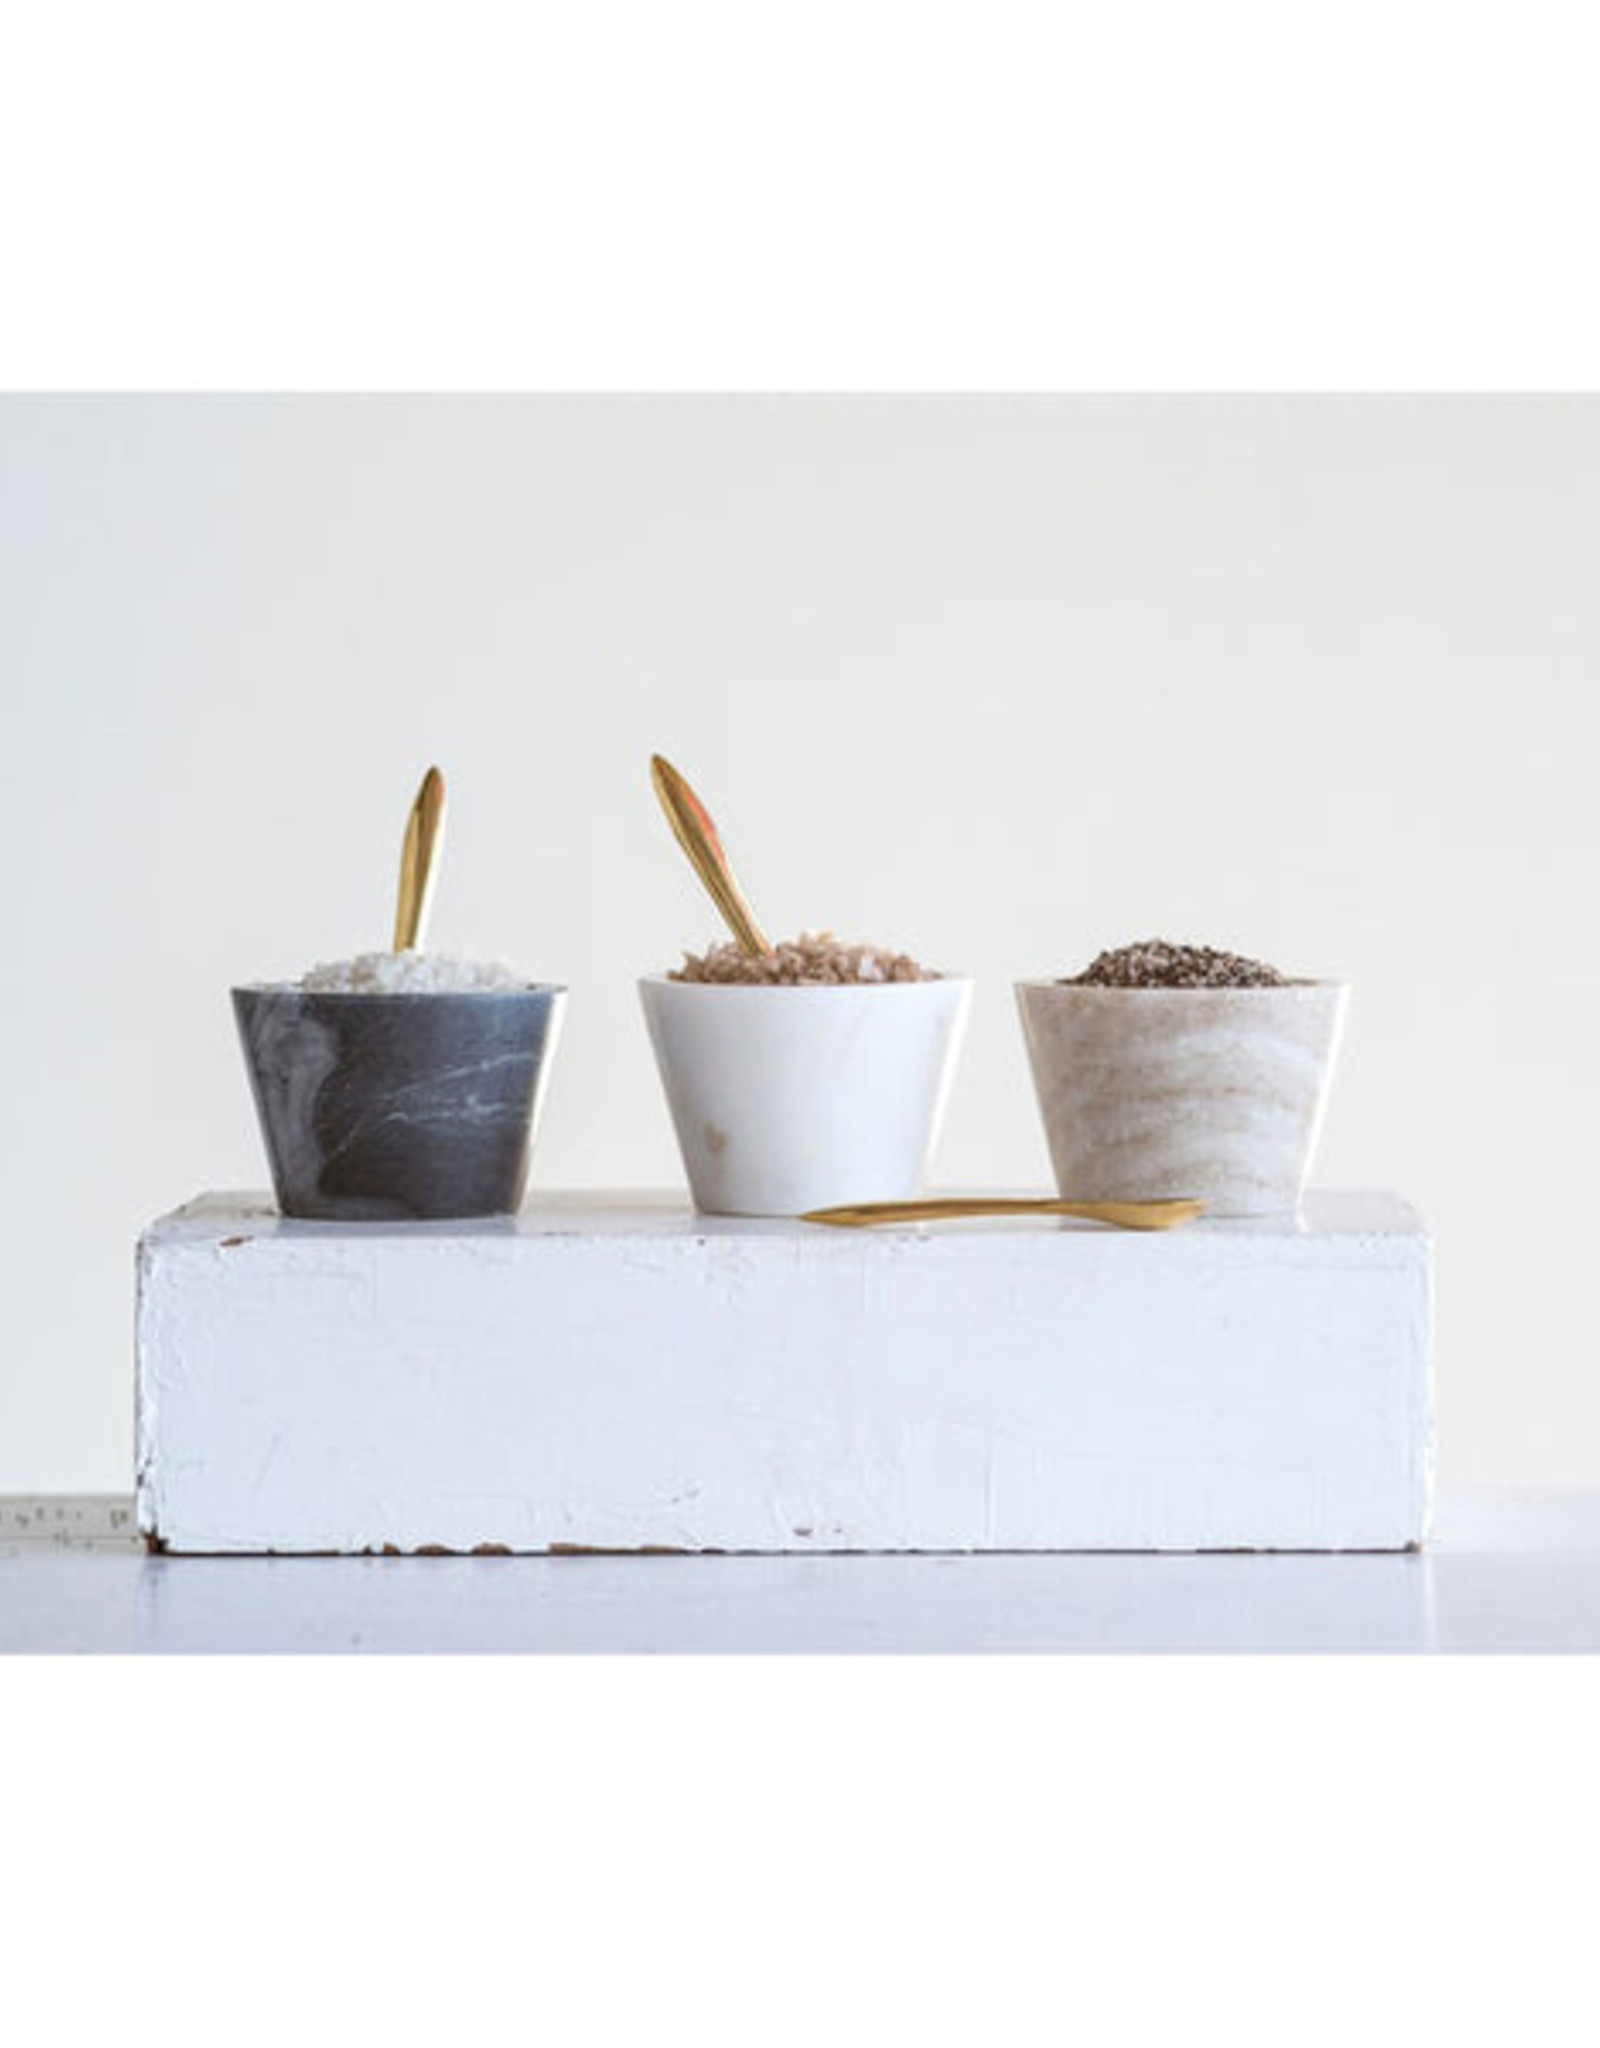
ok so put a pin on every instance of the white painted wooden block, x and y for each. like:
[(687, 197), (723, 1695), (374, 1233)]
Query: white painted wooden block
[(617, 1373)]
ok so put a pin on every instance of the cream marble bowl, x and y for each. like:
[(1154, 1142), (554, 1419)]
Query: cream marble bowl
[(788, 1099), (1212, 1092)]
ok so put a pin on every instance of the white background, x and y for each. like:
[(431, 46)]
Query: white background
[(1003, 680)]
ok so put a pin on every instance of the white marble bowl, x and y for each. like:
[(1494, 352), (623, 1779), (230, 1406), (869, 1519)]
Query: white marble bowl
[(1213, 1092), (788, 1099)]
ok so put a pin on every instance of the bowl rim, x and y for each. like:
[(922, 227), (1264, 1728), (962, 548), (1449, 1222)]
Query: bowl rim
[(398, 995), (806, 988), (1299, 985)]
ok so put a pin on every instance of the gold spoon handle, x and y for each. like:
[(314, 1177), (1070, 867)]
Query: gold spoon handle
[(697, 835), (1126, 1215), (419, 863)]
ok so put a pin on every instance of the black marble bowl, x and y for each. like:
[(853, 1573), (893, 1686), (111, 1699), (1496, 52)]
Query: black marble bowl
[(382, 1106)]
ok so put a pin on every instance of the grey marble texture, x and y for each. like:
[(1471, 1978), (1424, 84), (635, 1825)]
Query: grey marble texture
[(384, 1106), (1214, 1092)]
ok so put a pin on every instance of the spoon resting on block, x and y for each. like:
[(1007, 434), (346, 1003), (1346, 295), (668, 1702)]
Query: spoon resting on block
[(1123, 1215)]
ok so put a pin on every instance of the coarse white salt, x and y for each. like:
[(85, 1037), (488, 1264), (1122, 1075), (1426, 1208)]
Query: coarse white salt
[(411, 973)]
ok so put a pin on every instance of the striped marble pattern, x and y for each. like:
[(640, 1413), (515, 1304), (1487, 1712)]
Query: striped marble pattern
[(376, 1107), (1211, 1092)]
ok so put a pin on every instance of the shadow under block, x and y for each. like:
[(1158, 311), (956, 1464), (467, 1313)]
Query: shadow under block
[(617, 1373)]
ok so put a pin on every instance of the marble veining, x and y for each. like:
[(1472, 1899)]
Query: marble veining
[(392, 1106), (1211, 1092)]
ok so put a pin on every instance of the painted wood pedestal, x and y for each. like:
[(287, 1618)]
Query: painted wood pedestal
[(617, 1373)]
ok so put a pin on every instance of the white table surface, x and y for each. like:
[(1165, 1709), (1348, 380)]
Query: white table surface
[(1503, 1573)]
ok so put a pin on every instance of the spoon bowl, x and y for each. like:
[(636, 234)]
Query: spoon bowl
[(695, 832), (419, 863)]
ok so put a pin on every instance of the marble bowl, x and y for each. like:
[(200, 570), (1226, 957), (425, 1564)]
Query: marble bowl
[(383, 1106), (788, 1099), (1213, 1092)]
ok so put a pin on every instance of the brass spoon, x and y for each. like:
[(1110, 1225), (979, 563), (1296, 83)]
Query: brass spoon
[(697, 835), (1127, 1215), (419, 863)]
